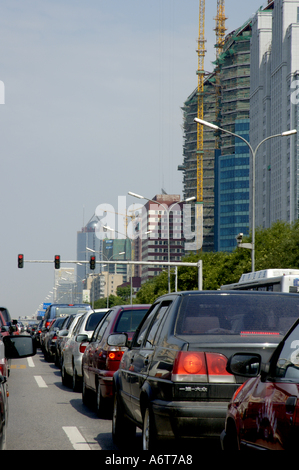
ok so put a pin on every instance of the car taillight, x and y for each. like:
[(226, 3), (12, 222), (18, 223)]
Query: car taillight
[(217, 368), (82, 347), (190, 366), (113, 359), (115, 355)]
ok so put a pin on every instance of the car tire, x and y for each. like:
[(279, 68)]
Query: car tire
[(123, 430), (2, 435), (85, 393), (77, 385), (231, 441), (64, 376), (149, 439), (101, 408)]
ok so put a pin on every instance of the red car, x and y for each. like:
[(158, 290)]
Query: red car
[(264, 412), (101, 359)]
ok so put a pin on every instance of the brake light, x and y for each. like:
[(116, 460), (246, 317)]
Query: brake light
[(190, 366), (113, 359), (82, 347), (248, 333), (201, 367), (217, 368), (115, 355)]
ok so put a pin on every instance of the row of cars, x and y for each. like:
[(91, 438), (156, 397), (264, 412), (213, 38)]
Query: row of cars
[(192, 365)]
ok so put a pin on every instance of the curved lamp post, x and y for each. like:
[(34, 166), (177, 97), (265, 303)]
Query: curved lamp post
[(253, 153)]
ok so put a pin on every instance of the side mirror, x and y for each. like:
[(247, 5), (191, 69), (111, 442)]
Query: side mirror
[(81, 338), (120, 340), (63, 333), (17, 347), (246, 365)]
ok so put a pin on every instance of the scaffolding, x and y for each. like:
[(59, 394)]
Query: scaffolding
[(233, 66)]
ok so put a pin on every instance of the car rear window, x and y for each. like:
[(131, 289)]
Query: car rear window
[(232, 314), (66, 311), (129, 320), (93, 320)]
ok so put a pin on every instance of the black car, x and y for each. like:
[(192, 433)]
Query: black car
[(172, 382)]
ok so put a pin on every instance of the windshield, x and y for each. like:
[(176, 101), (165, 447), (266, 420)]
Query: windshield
[(243, 315)]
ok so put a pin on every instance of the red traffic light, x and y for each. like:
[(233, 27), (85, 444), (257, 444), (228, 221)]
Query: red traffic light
[(20, 261), (57, 262), (92, 262)]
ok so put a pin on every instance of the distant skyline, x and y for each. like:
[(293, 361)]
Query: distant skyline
[(93, 97)]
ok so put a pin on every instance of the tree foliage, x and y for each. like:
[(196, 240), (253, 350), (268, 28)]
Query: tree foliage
[(276, 247)]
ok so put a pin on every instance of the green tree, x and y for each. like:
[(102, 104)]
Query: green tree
[(124, 293), (276, 247), (113, 301)]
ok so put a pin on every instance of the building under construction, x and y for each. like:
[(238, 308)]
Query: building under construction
[(226, 102)]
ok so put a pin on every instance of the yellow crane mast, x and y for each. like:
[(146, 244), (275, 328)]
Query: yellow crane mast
[(199, 148), (220, 27), (200, 88)]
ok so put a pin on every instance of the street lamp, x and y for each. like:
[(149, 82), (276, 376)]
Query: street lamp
[(131, 267), (167, 210), (253, 153), (108, 259)]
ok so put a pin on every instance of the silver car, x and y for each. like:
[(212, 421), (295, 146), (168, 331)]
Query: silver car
[(64, 335), (71, 370)]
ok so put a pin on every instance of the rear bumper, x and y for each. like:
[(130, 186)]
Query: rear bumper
[(189, 419)]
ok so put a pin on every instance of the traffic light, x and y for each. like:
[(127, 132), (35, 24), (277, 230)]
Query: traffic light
[(20, 261), (92, 262), (57, 262)]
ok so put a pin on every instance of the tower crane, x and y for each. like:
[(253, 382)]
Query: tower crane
[(200, 88), (199, 148)]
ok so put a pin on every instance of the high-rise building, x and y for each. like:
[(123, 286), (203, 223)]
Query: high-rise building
[(87, 238), (259, 79), (153, 230), (274, 109)]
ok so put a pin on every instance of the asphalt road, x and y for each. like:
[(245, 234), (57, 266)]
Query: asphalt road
[(45, 415)]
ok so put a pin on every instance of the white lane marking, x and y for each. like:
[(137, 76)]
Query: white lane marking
[(30, 362), (76, 438), (40, 381)]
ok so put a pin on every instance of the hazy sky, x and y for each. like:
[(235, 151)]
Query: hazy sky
[(93, 97)]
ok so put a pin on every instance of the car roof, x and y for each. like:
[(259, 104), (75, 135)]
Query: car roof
[(226, 292)]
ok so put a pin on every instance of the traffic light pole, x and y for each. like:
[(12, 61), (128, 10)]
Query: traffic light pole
[(139, 263)]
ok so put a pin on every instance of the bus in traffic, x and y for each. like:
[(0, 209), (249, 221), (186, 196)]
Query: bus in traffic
[(271, 280)]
